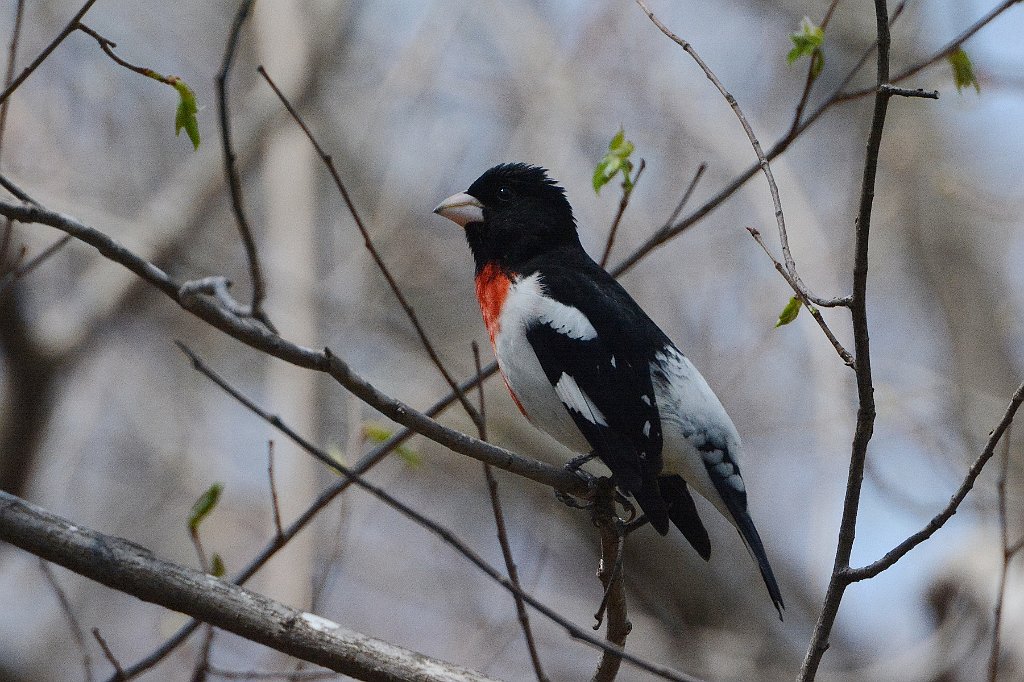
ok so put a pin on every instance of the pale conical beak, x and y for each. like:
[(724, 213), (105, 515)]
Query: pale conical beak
[(461, 209)]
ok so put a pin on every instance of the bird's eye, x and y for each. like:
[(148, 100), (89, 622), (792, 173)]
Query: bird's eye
[(504, 193)]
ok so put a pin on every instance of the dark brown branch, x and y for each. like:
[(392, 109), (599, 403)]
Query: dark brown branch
[(1007, 556), (108, 46), (627, 191), (906, 92), (128, 568), (686, 195), (865, 388), (259, 286), (374, 253), (68, 30)]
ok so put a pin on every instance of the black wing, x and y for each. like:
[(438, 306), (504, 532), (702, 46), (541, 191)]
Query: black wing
[(613, 372)]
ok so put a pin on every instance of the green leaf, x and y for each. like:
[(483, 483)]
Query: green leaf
[(379, 433), (614, 162), (789, 313), (806, 42), (204, 505), (217, 566), (963, 70), (185, 116)]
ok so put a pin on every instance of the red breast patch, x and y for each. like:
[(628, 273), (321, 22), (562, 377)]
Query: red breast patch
[(492, 286)]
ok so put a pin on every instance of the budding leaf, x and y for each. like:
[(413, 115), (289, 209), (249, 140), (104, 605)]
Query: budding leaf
[(614, 162), (789, 313), (185, 116), (378, 434), (807, 43), (963, 70), (217, 566), (204, 505)]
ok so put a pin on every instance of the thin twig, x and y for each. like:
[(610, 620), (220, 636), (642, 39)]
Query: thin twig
[(499, 522), (273, 490), (259, 286), (900, 550), (1004, 546), (865, 388), (12, 55), (68, 30), (108, 45), (627, 191), (906, 92), (374, 253), (686, 195), (444, 534), (9, 278), (118, 670), (203, 661), (811, 77), (765, 166), (69, 613), (804, 297)]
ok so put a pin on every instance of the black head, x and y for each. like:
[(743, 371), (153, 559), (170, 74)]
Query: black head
[(512, 213)]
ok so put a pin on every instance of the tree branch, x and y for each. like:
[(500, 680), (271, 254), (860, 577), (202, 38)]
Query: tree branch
[(129, 568)]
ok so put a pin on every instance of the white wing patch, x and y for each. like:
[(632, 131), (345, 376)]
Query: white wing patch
[(573, 397)]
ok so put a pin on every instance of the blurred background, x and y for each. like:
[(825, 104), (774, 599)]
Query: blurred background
[(105, 422)]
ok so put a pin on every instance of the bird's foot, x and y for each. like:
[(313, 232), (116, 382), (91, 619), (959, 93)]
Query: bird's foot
[(575, 465)]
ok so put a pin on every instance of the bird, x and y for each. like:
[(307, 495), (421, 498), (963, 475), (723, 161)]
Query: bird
[(584, 362)]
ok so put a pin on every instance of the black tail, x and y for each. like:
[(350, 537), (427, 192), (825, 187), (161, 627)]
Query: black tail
[(752, 540), (683, 513)]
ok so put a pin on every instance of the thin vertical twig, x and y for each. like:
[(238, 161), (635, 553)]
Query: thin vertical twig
[(499, 522), (279, 532), (1004, 546), (627, 191), (686, 195), (69, 613), (257, 280)]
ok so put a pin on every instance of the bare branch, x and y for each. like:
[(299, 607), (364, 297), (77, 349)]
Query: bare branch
[(865, 388), (68, 30), (906, 92), (368, 242), (686, 195), (12, 56), (259, 286), (126, 567)]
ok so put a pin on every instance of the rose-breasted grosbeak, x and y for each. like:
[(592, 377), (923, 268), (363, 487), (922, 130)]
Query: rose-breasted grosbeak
[(584, 363)]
